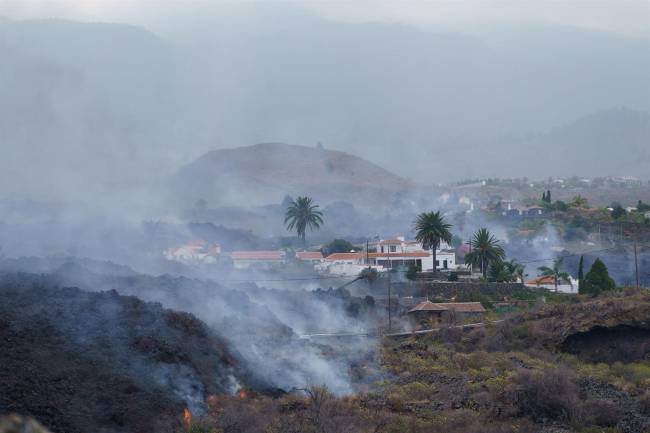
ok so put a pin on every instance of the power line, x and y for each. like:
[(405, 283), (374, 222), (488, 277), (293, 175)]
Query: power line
[(267, 280)]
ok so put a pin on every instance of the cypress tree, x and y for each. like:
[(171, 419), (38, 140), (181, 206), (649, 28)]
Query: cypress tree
[(581, 275), (548, 196), (597, 279), (543, 195)]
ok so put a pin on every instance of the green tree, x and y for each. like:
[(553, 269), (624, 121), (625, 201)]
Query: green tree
[(506, 271), (642, 207), (618, 211), (337, 246), (579, 202), (555, 272), (597, 279), (581, 274), (430, 229), (302, 214), (485, 250), (560, 206), (412, 272)]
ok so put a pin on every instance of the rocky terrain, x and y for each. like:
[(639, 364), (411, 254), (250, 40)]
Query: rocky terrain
[(261, 326), (81, 362)]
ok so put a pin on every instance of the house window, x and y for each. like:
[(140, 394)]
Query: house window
[(437, 262), (444, 264), (393, 248)]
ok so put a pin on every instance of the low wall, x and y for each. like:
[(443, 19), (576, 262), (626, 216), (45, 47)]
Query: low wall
[(446, 290)]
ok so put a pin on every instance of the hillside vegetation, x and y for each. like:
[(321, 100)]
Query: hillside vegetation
[(514, 376)]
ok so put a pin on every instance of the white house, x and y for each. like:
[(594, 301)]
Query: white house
[(564, 286), (399, 252), (194, 252), (344, 264), (310, 256)]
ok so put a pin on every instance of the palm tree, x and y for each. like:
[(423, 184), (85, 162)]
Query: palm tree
[(302, 214), (506, 271), (485, 250), (430, 229), (554, 272), (516, 270)]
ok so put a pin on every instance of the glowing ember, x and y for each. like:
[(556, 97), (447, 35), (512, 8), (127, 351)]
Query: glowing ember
[(242, 394), (187, 418)]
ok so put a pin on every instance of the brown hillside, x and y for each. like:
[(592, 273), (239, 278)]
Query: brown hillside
[(266, 172)]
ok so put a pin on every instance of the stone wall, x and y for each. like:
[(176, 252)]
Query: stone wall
[(447, 290)]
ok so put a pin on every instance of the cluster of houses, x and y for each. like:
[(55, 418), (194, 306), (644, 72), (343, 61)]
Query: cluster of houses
[(381, 255)]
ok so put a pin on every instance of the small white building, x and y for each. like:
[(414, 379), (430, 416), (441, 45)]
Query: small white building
[(194, 252), (344, 264), (310, 256), (564, 286)]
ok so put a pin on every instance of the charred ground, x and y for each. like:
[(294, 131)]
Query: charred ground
[(82, 362)]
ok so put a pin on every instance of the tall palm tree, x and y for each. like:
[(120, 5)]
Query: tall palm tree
[(554, 272), (302, 214), (485, 250), (430, 229)]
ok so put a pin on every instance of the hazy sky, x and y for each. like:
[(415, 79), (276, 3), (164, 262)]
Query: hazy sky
[(631, 17)]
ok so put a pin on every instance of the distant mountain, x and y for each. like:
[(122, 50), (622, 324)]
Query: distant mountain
[(267, 172), (90, 108), (607, 143)]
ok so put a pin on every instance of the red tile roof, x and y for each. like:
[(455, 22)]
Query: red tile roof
[(541, 280), (257, 255), (344, 256), (309, 255), (459, 307), (399, 255)]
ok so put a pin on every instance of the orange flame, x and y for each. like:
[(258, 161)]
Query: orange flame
[(242, 394), (187, 418)]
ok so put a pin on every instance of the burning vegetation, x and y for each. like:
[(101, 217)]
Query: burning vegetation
[(82, 362)]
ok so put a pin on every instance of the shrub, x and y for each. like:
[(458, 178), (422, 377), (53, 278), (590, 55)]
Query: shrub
[(601, 412), (544, 395), (644, 403)]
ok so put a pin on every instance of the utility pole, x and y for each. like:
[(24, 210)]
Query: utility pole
[(389, 302), (367, 260), (636, 266), (390, 267)]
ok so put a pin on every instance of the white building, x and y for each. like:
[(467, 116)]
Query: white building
[(344, 264), (310, 256), (563, 286), (399, 252), (194, 252)]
